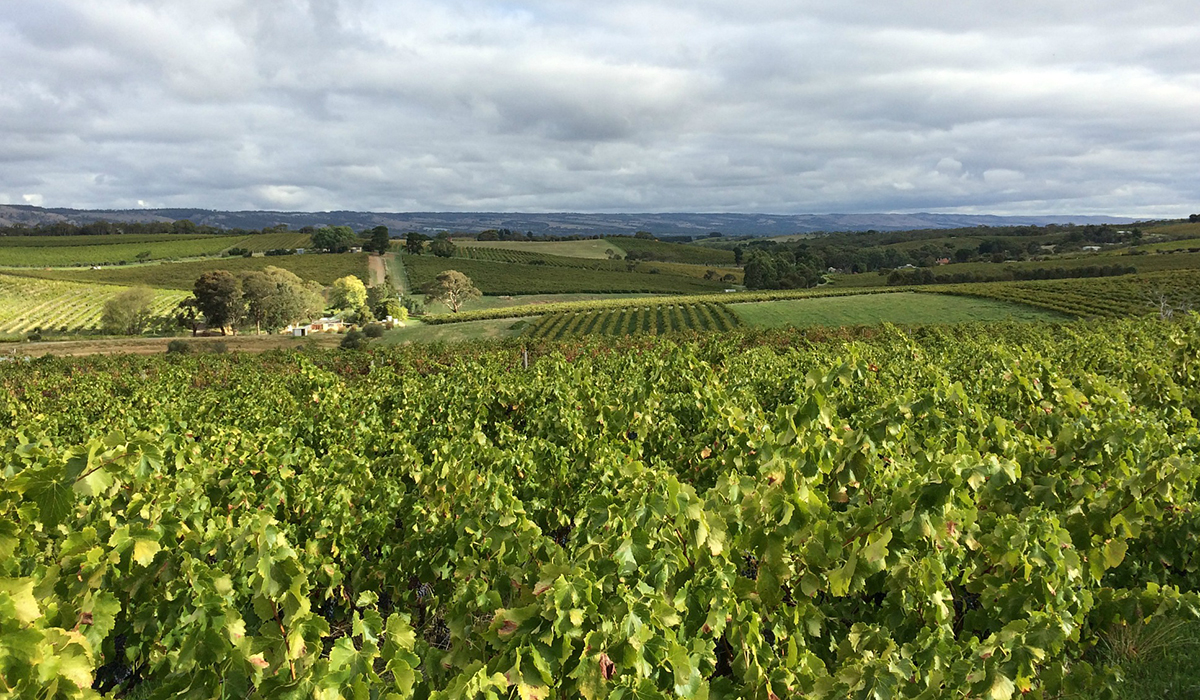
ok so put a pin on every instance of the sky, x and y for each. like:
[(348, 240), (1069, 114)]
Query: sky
[(771, 106)]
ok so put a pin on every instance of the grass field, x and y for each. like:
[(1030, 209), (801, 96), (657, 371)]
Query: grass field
[(507, 278), (673, 252), (64, 307), (417, 332), (900, 308), (321, 268), (595, 249)]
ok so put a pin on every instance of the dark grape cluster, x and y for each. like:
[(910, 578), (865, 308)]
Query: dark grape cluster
[(438, 635), (118, 674), (562, 535), (749, 567)]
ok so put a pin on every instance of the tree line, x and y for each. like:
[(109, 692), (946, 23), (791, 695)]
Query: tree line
[(263, 300)]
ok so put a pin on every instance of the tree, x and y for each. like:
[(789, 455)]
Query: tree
[(276, 297), (219, 297), (348, 293), (383, 302), (761, 271), (443, 247), (414, 243), (187, 314), (334, 239), (644, 235), (452, 288), (380, 241), (129, 312)]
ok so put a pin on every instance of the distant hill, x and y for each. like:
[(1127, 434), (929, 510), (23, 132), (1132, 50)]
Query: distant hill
[(558, 224)]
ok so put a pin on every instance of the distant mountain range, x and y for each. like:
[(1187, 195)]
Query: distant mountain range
[(561, 224)]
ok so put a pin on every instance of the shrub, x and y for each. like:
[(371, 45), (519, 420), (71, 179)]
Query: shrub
[(179, 347), (373, 330), (354, 340)]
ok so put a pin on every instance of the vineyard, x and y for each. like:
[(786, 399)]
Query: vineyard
[(101, 253), (672, 252), (526, 257), (656, 320), (506, 278), (26, 304), (968, 512), (1127, 295), (182, 275)]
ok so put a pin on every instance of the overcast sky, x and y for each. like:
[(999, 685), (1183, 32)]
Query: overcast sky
[(775, 106)]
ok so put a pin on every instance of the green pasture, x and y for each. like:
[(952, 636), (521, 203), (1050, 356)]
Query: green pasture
[(490, 329)]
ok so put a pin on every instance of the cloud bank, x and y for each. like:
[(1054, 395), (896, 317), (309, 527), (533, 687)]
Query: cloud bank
[(770, 106)]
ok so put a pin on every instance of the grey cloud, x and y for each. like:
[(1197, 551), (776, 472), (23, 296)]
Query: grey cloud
[(770, 105)]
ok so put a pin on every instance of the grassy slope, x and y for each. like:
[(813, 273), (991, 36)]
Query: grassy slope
[(321, 268), (901, 307), (417, 332), (510, 278)]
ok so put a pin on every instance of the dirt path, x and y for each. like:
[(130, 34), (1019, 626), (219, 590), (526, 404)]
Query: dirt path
[(377, 270), (152, 346)]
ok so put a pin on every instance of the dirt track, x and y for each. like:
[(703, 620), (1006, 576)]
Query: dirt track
[(151, 346)]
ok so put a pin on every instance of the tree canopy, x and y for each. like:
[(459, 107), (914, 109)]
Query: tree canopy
[(348, 292), (452, 288), (129, 312), (443, 247), (334, 239), (218, 296), (276, 297), (380, 241), (414, 242)]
